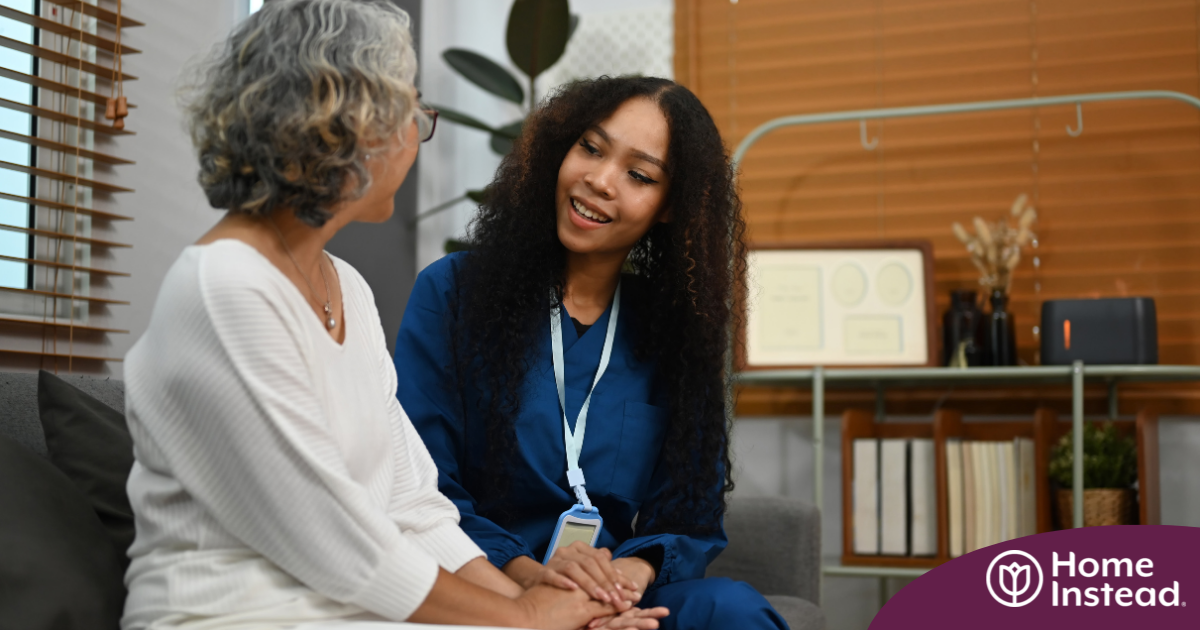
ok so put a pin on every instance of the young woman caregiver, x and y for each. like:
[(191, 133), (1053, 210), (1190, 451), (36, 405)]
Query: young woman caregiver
[(277, 482), (566, 373)]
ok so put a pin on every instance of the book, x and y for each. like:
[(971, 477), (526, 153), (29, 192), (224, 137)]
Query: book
[(866, 496), (970, 496), (1008, 455), (1027, 499), (954, 496), (984, 510), (923, 498), (893, 497), (1002, 487)]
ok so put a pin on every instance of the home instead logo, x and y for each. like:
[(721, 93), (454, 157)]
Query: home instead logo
[(1099, 578), (1010, 581)]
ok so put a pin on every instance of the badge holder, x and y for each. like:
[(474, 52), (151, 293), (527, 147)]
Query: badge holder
[(575, 524), (581, 523)]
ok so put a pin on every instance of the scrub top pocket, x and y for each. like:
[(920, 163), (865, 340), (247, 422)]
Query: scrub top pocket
[(642, 432)]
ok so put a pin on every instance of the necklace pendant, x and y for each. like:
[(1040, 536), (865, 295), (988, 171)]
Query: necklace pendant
[(331, 323)]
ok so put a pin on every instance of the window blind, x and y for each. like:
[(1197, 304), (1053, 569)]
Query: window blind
[(1119, 206), (61, 316)]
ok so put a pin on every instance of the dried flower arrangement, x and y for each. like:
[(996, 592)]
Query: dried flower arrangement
[(996, 248)]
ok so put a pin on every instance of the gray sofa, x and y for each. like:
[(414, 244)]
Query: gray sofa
[(774, 544)]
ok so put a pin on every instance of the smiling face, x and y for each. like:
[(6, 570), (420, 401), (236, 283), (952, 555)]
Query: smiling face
[(613, 181)]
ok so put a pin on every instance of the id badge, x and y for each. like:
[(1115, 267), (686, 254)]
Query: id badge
[(575, 525)]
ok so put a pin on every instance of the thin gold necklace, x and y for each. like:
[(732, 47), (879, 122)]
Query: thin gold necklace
[(330, 322)]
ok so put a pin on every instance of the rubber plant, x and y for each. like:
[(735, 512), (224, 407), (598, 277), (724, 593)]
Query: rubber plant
[(536, 36)]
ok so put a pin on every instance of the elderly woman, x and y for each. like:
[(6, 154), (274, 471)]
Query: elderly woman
[(278, 482)]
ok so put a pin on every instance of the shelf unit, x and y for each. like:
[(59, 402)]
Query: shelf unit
[(881, 379), (1045, 431)]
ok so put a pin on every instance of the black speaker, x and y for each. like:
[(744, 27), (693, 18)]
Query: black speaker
[(1109, 331)]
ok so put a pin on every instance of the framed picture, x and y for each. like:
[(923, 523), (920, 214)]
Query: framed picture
[(863, 303)]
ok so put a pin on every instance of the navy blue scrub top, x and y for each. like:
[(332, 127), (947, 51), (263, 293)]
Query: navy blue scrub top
[(626, 428)]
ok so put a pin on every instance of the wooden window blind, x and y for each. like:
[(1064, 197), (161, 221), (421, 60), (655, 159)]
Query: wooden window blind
[(1119, 206), (60, 317)]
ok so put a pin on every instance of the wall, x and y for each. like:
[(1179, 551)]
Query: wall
[(169, 209)]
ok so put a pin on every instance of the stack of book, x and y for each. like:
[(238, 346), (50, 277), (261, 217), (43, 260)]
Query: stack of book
[(895, 497), (990, 492), (990, 495)]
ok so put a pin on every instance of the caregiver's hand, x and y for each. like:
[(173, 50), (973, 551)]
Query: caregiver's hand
[(579, 566)]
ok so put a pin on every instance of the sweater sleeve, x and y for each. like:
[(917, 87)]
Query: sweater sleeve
[(238, 420), (428, 391)]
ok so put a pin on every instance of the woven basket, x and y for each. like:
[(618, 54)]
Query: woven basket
[(1101, 506)]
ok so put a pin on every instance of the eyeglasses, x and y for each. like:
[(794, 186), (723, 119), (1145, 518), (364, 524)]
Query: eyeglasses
[(426, 123), (426, 120)]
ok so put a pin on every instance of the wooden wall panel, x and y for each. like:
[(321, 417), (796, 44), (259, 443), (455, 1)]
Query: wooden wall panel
[(1119, 206)]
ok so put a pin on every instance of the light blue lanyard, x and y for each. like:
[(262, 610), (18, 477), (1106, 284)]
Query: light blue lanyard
[(573, 441)]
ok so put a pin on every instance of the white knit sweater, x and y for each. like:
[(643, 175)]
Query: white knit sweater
[(277, 479)]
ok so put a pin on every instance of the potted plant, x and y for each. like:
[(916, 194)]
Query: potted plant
[(1109, 472)]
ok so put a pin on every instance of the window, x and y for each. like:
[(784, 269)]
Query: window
[(255, 5), (15, 246), (59, 173)]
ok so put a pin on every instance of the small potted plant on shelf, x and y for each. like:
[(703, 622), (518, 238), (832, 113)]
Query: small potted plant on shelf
[(1109, 472)]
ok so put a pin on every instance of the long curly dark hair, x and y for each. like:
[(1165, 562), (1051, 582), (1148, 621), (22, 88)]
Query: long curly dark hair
[(690, 269)]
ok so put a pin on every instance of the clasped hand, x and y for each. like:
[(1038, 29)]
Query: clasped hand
[(619, 582)]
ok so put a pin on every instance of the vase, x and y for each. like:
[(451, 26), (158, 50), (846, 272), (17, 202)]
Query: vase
[(1002, 337), (963, 339), (1101, 506)]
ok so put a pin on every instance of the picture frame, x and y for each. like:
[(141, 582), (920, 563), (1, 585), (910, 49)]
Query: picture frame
[(867, 303)]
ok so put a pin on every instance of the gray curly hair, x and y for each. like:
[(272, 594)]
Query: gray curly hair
[(286, 111)]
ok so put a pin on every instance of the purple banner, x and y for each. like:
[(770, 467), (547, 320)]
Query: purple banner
[(1133, 576)]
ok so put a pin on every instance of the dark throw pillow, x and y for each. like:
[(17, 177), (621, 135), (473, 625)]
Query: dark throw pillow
[(89, 442), (58, 568)]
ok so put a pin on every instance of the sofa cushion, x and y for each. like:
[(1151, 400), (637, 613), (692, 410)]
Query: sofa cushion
[(90, 443), (800, 614), (19, 411), (59, 570)]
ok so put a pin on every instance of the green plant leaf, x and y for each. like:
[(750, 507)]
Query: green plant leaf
[(485, 73), (479, 196), (502, 139), (462, 119), (537, 34)]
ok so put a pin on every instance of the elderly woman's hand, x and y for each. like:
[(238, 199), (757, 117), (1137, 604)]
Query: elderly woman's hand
[(580, 566)]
